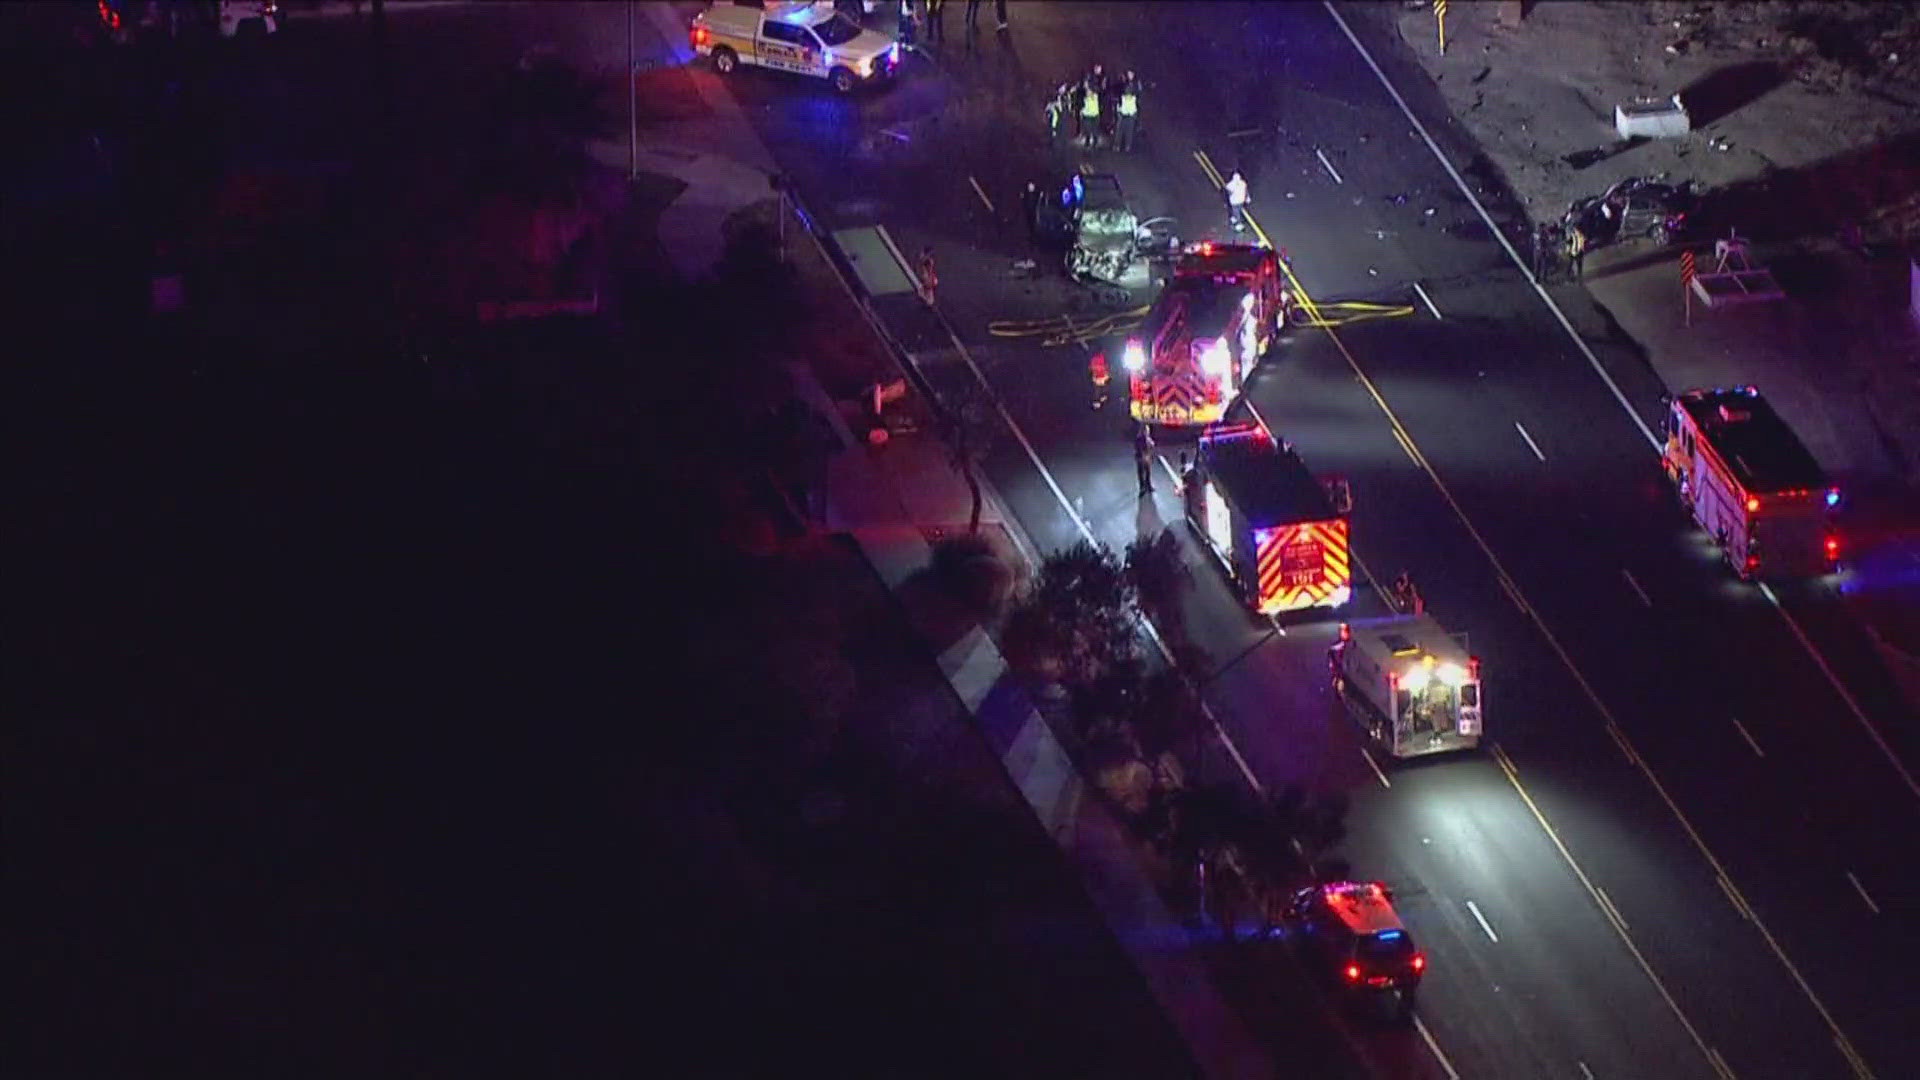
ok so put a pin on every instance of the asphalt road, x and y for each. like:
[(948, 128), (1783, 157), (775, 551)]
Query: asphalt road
[(1749, 841)]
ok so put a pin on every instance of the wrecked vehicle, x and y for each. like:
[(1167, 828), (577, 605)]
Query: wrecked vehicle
[(1105, 241), (1637, 208)]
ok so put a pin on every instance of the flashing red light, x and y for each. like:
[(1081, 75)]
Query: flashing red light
[(1753, 504), (700, 35), (1353, 972), (1206, 248), (1833, 547), (1753, 561), (1419, 962)]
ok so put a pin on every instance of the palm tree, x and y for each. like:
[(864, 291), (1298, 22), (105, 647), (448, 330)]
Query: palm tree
[(971, 428)]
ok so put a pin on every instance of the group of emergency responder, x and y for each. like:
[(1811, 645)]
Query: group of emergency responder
[(1105, 110)]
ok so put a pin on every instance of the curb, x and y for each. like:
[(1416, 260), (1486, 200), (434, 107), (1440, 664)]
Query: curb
[(1082, 827)]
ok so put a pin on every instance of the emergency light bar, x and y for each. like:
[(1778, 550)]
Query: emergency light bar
[(1241, 429)]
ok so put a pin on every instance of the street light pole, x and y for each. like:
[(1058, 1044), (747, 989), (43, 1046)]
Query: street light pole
[(633, 121)]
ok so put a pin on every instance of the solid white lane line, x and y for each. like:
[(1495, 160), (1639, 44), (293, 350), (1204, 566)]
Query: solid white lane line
[(982, 194), (1841, 689), (1482, 919), (1421, 130), (1428, 299), (1330, 169), (1375, 766), (1742, 729), (1421, 1026), (1073, 513), (1531, 445), (1637, 590), (1857, 887)]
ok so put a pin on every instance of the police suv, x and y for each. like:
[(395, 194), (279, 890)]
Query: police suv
[(811, 39), (1349, 929)]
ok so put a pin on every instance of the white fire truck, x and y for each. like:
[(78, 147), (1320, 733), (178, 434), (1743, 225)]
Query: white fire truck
[(1750, 483), (1206, 331), (1411, 685), (1280, 532)]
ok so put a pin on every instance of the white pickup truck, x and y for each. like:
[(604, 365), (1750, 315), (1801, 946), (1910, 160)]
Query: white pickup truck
[(810, 39)]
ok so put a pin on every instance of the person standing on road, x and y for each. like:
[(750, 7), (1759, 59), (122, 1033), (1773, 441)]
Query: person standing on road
[(929, 278), (1000, 12), (1129, 110), (973, 11), (1090, 111), (936, 21), (906, 24), (1577, 251), (1057, 114), (1030, 210), (1097, 371), (1236, 189), (1143, 459)]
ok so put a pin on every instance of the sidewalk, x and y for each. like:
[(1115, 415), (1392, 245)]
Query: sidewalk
[(889, 500), (1794, 146)]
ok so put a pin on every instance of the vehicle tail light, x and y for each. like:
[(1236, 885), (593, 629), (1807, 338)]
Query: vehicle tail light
[(1473, 668), (1753, 504), (1753, 561), (1419, 963), (1353, 972)]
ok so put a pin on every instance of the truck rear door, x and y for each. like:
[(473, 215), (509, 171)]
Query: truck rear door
[(787, 47)]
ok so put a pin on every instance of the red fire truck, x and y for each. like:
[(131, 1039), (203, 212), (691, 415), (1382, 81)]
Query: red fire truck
[(1750, 483), (1280, 532), (1205, 332)]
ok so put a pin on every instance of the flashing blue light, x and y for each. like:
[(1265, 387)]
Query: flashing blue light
[(1079, 190), (1833, 496), (1391, 935)]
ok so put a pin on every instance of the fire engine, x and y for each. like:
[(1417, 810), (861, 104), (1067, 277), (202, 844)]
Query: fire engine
[(1409, 683), (1750, 483), (1205, 333), (1280, 532)]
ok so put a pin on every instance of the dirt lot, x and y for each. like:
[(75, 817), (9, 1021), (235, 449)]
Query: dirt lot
[(1830, 91)]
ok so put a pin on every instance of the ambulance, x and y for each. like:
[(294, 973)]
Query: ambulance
[(1751, 484), (1413, 688), (1279, 531), (1205, 333), (810, 39)]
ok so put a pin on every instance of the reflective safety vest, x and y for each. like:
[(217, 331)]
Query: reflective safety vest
[(1090, 102), (1129, 104), (1576, 241)]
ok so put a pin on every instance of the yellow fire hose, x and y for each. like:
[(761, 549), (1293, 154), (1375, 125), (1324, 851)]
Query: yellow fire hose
[(1062, 330), (1341, 312)]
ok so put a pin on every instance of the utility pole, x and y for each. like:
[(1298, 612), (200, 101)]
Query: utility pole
[(633, 120)]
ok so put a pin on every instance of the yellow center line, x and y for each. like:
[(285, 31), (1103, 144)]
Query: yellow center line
[(1508, 584)]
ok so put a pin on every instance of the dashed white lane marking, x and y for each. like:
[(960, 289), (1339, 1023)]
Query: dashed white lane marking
[(1427, 299), (1635, 586), (982, 194), (1482, 920), (1584, 1071), (1531, 445), (1742, 729), (1330, 169), (1857, 887)]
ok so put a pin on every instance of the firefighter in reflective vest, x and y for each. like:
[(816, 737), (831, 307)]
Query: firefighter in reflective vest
[(1236, 189), (1097, 368), (1576, 250), (1057, 113), (1090, 110), (1129, 110)]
